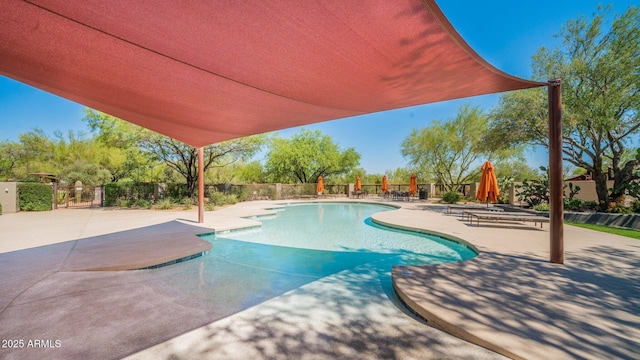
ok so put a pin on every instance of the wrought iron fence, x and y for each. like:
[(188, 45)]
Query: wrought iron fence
[(68, 198), (79, 197), (462, 189)]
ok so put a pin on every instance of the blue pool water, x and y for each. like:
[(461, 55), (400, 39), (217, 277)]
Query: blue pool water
[(306, 243), (313, 280), (347, 227)]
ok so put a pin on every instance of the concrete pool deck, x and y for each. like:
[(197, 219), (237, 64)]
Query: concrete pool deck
[(508, 299)]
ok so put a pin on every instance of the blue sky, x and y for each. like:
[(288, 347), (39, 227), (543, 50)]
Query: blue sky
[(505, 33)]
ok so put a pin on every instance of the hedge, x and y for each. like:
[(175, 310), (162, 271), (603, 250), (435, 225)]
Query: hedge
[(177, 190), (35, 197), (130, 191)]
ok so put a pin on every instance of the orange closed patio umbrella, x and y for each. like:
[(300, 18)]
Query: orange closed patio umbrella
[(488, 188), (320, 187), (413, 184), (385, 184), (358, 184)]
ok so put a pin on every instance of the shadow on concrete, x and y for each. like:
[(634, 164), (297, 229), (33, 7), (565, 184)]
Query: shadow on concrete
[(344, 315), (284, 302), (588, 308)]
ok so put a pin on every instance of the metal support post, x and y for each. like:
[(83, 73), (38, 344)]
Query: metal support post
[(556, 188)]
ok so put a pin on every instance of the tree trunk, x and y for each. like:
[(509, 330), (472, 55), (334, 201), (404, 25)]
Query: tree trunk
[(622, 177), (192, 183), (601, 189)]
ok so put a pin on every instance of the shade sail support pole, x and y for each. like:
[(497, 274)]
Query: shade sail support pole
[(556, 183), (200, 184)]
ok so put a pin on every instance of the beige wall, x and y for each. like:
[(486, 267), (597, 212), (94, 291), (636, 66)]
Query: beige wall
[(9, 197), (587, 189), (513, 195)]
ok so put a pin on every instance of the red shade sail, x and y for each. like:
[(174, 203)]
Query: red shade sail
[(206, 71)]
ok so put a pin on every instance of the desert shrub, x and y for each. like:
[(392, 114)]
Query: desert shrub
[(145, 204), (619, 209), (591, 205), (541, 207), (216, 198), (451, 197), (177, 190), (230, 199), (573, 204), (61, 197), (187, 202), (536, 192), (111, 194), (0, 208), (242, 194), (164, 204), (209, 207), (635, 207), (504, 184), (124, 203), (127, 190), (573, 190), (35, 197)]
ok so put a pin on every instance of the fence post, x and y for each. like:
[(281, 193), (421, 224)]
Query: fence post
[(55, 195), (160, 191), (431, 190), (473, 189)]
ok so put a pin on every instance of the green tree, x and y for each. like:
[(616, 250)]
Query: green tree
[(125, 158), (89, 173), (451, 150), (634, 185), (600, 74), (76, 147), (402, 175), (184, 158), (144, 148), (252, 172), (516, 169), (306, 156), (38, 154), (11, 155)]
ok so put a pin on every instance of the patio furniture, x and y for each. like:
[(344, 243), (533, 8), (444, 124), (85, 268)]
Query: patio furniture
[(473, 207), (511, 216), (358, 194)]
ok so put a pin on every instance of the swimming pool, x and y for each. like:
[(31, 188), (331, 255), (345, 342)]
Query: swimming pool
[(346, 227), (313, 281), (304, 243)]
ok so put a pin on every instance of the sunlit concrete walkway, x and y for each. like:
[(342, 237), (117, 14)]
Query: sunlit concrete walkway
[(508, 299), (512, 300)]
